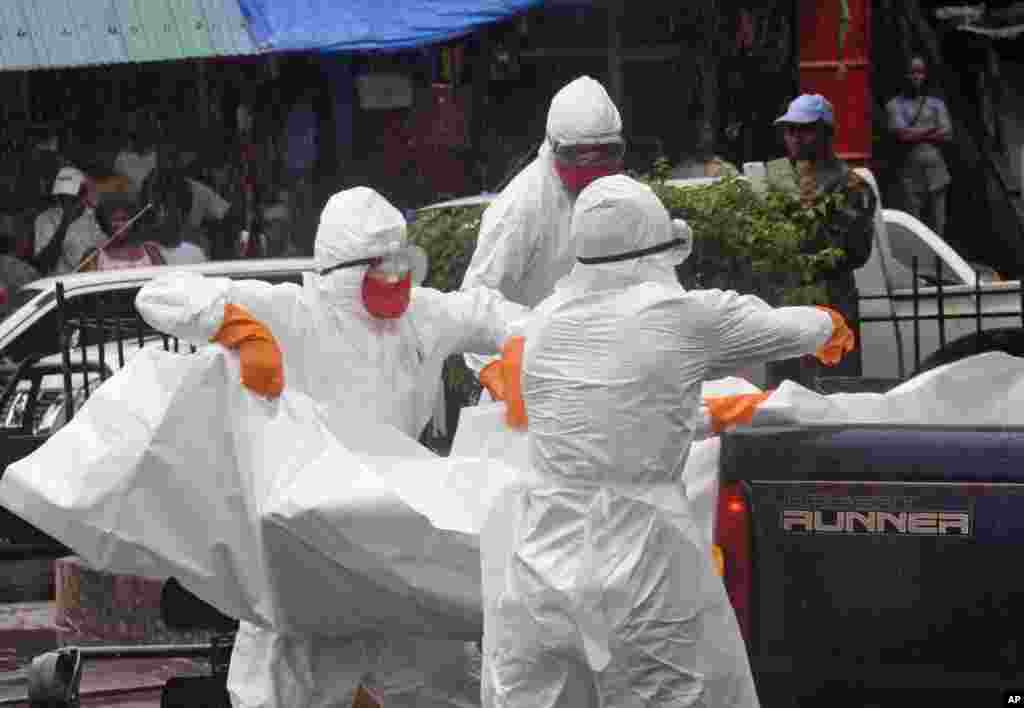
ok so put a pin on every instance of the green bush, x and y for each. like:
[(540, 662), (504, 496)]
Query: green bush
[(449, 237), (753, 244), (760, 244)]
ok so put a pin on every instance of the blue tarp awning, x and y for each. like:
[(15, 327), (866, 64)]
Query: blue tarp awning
[(362, 25)]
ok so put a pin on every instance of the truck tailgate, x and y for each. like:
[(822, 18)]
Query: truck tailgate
[(885, 555)]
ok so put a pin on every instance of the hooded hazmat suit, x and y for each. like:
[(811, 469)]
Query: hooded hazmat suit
[(597, 589), (524, 245), (356, 367)]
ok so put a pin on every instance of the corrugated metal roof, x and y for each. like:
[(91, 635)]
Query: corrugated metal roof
[(48, 34)]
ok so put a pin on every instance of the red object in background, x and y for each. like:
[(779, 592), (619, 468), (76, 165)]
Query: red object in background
[(396, 148), (447, 125), (3, 296), (426, 141), (820, 71), (248, 152), (444, 168), (24, 249), (437, 134)]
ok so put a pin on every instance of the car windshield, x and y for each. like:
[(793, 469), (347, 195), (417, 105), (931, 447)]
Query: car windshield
[(17, 300)]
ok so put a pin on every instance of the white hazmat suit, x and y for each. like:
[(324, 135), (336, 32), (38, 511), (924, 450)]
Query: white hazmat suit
[(598, 589), (356, 367), (525, 242)]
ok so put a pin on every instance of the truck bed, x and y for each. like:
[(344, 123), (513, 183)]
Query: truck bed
[(884, 557)]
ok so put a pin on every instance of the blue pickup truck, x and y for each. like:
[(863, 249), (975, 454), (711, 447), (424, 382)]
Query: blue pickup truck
[(876, 559)]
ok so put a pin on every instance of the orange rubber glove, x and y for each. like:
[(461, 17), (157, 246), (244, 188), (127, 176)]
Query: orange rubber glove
[(503, 378), (262, 367), (841, 343), (733, 410), (492, 377)]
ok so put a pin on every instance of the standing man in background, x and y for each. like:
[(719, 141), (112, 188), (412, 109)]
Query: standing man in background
[(812, 170), (920, 124)]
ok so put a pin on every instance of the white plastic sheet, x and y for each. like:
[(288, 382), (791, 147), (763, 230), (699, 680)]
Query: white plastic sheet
[(174, 469), (981, 390)]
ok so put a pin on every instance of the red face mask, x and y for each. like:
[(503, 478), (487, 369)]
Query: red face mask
[(576, 177), (386, 300)]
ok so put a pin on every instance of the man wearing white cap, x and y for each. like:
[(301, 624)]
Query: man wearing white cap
[(65, 233), (811, 169)]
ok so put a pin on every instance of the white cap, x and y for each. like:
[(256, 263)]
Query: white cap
[(583, 112), (69, 181)]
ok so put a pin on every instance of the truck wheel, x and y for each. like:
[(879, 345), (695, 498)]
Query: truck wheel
[(1010, 341)]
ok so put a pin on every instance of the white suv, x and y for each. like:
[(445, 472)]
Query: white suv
[(101, 330)]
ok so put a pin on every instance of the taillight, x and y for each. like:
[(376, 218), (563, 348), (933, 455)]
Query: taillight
[(732, 551)]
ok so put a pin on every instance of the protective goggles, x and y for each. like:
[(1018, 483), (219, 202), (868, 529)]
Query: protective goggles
[(392, 266), (588, 154), (681, 243)]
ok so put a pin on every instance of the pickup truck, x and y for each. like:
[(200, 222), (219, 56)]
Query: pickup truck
[(856, 556), (877, 558)]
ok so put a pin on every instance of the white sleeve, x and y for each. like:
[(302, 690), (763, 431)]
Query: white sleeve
[(476, 320), (504, 249), (191, 306), (747, 331)]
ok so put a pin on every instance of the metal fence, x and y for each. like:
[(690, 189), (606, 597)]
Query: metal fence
[(108, 322), (941, 296)]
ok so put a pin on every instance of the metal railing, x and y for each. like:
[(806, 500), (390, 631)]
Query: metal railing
[(107, 323), (940, 295)]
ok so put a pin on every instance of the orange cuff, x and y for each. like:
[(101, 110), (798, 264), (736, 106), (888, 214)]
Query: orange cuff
[(512, 365), (492, 378), (260, 357), (733, 410), (503, 378), (841, 343)]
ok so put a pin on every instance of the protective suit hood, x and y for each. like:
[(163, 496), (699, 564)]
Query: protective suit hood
[(356, 223), (617, 216), (583, 112)]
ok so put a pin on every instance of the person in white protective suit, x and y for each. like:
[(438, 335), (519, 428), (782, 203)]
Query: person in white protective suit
[(364, 344), (598, 590), (525, 244)]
